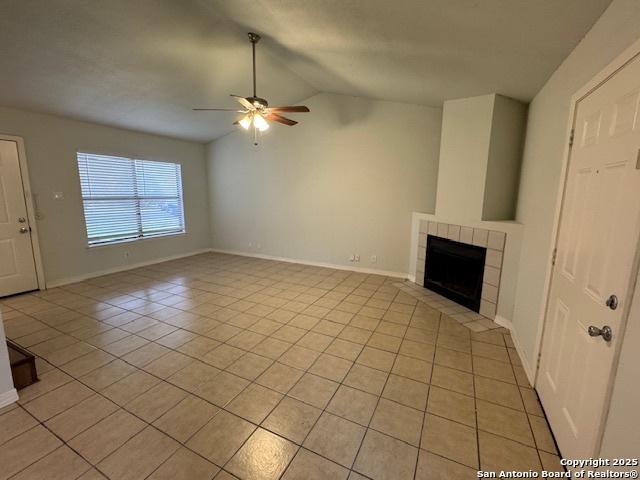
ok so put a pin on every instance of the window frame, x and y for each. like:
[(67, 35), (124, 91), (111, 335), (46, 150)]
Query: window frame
[(116, 242)]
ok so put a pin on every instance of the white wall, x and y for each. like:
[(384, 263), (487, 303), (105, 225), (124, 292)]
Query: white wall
[(546, 135), (621, 439), (344, 181), (466, 137), (51, 144)]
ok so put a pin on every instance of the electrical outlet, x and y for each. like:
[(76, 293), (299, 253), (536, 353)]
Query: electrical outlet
[(357, 258), (258, 246), (374, 258), (352, 258)]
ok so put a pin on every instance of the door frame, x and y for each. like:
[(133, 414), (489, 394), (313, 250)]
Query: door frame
[(32, 213), (627, 56)]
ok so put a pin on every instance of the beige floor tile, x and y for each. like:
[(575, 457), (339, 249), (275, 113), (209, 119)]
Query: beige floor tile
[(47, 382), (80, 417), (139, 456), (354, 405), (221, 333), (336, 439), (292, 419), (168, 364), (264, 456), (355, 334), (271, 348), (221, 389), (375, 358), (551, 462), (542, 434), (176, 338), (108, 374), (145, 354), (331, 367), (406, 392), (67, 354), (250, 366), (398, 421), (61, 464), (58, 400), (14, 422), (289, 333), (219, 439), (422, 351), (279, 377), (495, 391), (452, 405), (498, 453), (299, 357), (488, 350), (194, 376), (308, 466), (451, 440), (131, 386), (186, 418), (91, 474), (451, 379), (254, 403), (344, 349), (106, 436), (531, 402), (125, 345), (385, 458), (412, 368), (185, 465), (493, 369), (25, 449), (367, 379), (453, 359), (87, 363), (504, 421), (385, 342), (434, 467), (314, 390), (315, 341), (491, 337), (156, 401), (246, 340)]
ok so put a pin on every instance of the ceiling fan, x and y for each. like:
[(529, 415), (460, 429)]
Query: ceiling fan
[(256, 111)]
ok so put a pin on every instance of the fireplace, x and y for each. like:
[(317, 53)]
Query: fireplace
[(455, 270)]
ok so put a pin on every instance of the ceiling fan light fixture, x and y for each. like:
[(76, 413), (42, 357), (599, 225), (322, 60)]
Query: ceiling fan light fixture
[(245, 122), (260, 123)]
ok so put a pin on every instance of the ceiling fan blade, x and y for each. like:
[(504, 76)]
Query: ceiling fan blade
[(297, 108), (280, 119), (218, 110), (244, 102)]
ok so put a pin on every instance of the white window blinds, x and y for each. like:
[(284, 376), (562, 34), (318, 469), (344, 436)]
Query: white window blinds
[(128, 199)]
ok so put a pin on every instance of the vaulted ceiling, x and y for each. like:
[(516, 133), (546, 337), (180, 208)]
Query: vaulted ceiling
[(144, 64)]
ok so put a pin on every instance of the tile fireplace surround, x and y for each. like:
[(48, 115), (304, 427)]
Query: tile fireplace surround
[(489, 235)]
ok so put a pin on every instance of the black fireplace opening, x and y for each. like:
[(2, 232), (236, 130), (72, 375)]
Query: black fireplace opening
[(455, 270)]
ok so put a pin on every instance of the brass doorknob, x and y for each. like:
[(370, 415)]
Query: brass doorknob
[(24, 230)]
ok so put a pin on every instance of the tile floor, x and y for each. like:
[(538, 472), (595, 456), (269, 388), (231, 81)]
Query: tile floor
[(218, 366)]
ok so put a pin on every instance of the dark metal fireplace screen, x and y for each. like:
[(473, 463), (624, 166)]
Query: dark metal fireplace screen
[(455, 270)]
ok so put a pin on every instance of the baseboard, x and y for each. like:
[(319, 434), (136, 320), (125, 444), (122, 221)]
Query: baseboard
[(122, 268), (503, 322), (412, 278), (530, 372), (7, 398), (372, 271)]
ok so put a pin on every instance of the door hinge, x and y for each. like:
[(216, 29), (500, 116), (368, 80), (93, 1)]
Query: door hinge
[(553, 256), (571, 136)]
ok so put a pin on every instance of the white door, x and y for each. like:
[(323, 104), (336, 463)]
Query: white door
[(17, 264), (597, 244)]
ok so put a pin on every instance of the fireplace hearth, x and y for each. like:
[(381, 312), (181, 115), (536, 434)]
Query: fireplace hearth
[(455, 270)]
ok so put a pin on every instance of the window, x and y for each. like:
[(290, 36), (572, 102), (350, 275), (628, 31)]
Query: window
[(127, 199)]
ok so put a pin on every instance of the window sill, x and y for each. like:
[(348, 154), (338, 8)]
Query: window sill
[(117, 243)]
